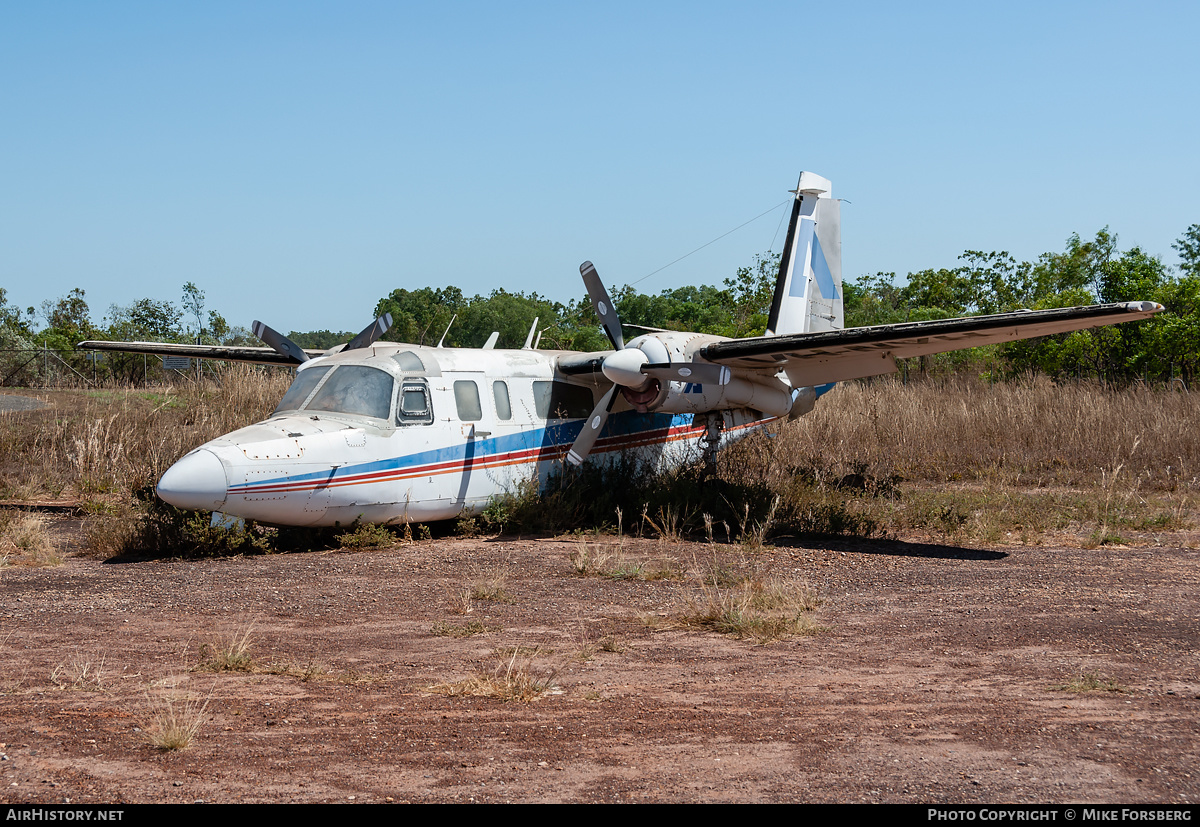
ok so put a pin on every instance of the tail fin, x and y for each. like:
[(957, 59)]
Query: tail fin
[(808, 293)]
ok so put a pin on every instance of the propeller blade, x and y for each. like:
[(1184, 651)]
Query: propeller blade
[(700, 373), (592, 428), (602, 304), (279, 343), (373, 331)]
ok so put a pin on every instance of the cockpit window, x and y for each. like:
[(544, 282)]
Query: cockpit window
[(301, 387), (355, 389)]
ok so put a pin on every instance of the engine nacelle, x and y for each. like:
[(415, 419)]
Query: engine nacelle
[(772, 399), (767, 394)]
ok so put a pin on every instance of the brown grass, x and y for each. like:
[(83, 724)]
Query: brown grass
[(750, 605), (172, 723), (516, 680), (24, 539), (610, 560), (231, 654), (1090, 682), (116, 440), (1031, 433), (957, 461), (962, 460)]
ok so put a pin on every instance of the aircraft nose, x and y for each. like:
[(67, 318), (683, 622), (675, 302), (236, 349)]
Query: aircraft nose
[(195, 483)]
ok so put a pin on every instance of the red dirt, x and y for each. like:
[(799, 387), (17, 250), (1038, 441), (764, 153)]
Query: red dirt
[(931, 682)]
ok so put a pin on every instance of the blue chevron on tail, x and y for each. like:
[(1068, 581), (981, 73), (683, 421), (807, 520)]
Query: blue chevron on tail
[(808, 292)]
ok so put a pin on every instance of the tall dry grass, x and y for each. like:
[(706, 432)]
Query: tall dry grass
[(118, 440), (1031, 433), (957, 459)]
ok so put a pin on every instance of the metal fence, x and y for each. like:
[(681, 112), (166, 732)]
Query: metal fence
[(47, 367)]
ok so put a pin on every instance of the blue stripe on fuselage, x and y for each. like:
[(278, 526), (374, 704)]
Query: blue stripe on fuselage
[(558, 435)]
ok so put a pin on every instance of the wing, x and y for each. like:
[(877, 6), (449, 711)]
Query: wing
[(811, 359), (228, 353)]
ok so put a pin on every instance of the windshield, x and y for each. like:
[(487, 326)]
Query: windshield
[(303, 385), (349, 389), (355, 389)]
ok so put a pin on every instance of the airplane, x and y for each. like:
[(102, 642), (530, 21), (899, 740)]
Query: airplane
[(381, 432)]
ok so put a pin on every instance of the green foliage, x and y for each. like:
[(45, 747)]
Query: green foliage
[(366, 536), (1188, 247)]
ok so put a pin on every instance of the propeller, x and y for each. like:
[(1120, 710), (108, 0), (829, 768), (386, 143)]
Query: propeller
[(628, 368), (285, 346), (372, 332), (280, 343)]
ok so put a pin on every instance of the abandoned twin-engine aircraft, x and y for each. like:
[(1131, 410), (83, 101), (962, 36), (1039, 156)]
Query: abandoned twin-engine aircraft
[(391, 433)]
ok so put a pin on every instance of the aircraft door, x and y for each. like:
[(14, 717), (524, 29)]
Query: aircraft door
[(477, 420)]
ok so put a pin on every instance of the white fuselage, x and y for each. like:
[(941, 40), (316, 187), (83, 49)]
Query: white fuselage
[(414, 434)]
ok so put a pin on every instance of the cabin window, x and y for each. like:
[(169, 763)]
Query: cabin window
[(355, 389), (414, 405), (466, 398), (500, 394), (558, 400), (301, 387)]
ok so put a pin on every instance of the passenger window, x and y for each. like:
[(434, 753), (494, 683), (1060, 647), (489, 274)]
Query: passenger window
[(500, 393), (466, 399), (414, 405), (558, 400)]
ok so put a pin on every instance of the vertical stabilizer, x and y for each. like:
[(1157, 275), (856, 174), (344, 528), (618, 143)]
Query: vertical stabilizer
[(808, 292)]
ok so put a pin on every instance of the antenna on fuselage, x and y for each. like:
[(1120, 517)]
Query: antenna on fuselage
[(491, 340), (452, 318), (529, 339)]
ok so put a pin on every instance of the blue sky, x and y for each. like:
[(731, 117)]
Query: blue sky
[(299, 160)]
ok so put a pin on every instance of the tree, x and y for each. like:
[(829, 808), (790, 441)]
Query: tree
[(1188, 247), (420, 316), (68, 318), (145, 320), (752, 290), (193, 303)]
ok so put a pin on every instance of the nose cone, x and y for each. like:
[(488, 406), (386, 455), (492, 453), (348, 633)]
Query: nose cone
[(195, 483)]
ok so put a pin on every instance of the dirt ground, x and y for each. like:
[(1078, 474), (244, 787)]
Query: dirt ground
[(936, 677)]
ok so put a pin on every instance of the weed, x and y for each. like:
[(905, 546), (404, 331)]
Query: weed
[(173, 723), (80, 675), (518, 507), (611, 561), (754, 533), (610, 643), (1090, 682), (671, 523), (367, 536), (514, 681), (493, 586), (466, 527), (27, 534), (758, 608), (461, 602), (232, 655)]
